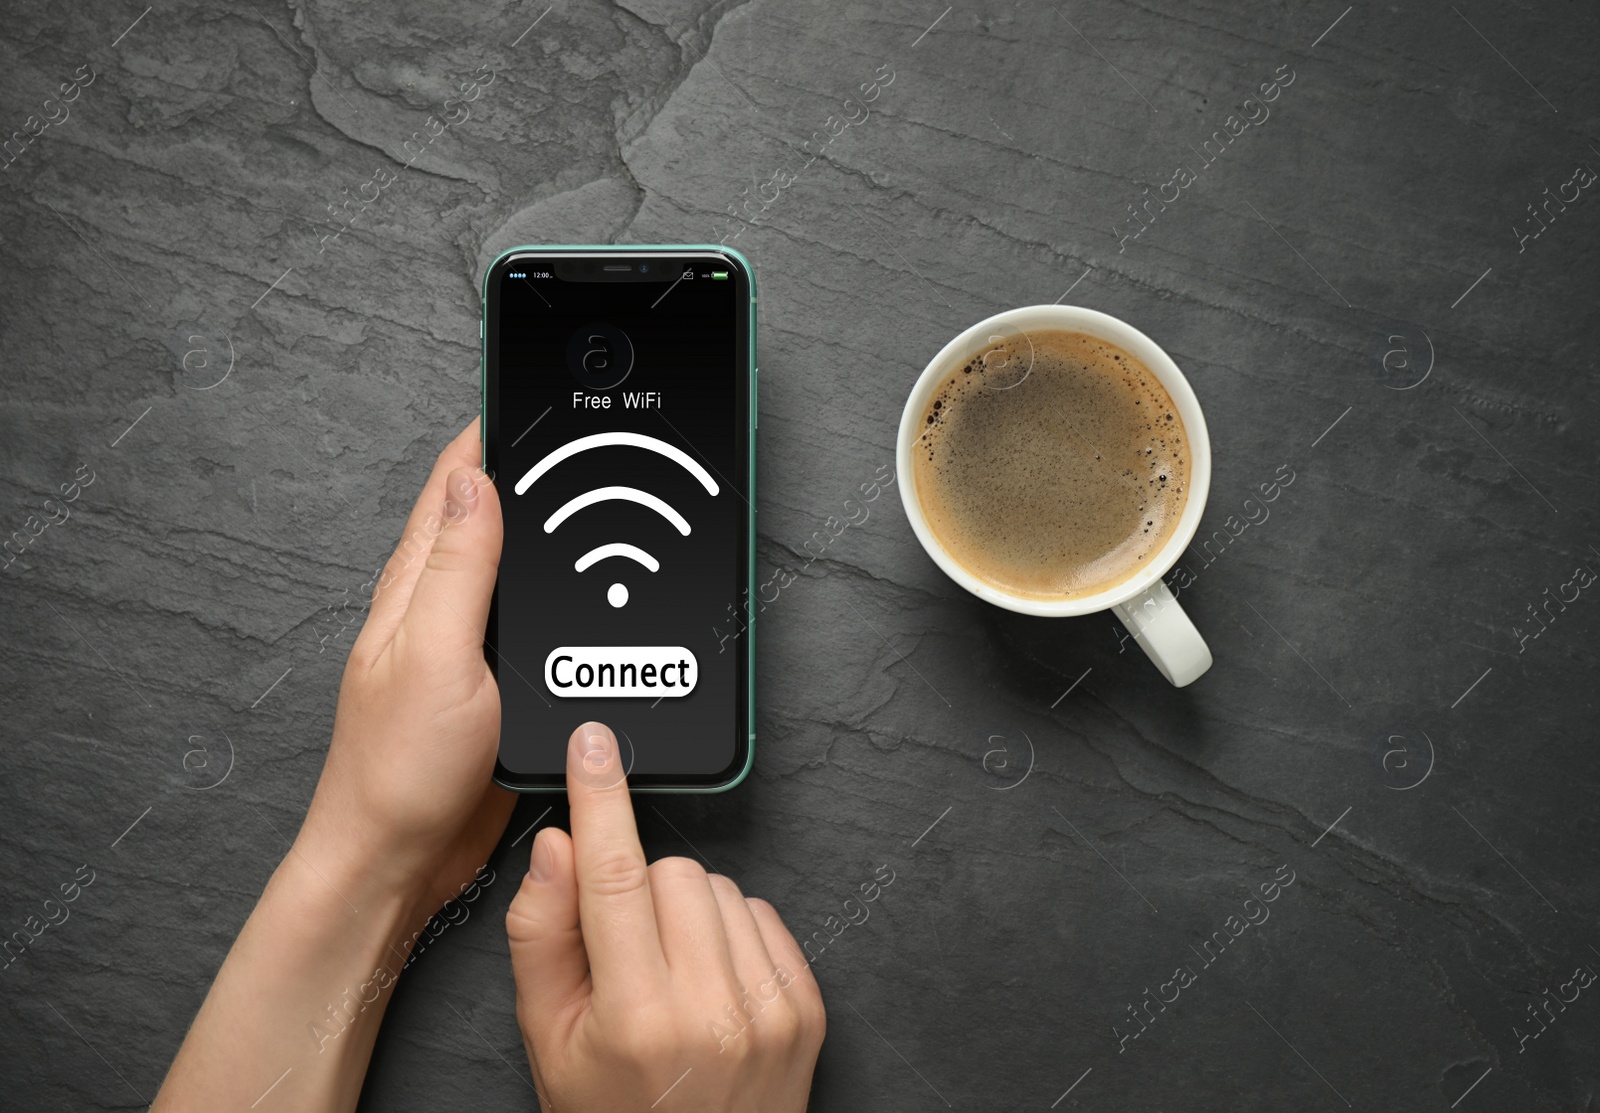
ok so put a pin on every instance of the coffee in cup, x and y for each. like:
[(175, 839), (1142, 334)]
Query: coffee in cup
[(1054, 461), (1052, 465)]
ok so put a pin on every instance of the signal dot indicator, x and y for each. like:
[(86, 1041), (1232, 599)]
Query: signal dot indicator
[(617, 595)]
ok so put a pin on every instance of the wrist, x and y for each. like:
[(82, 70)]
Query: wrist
[(337, 948), (377, 894)]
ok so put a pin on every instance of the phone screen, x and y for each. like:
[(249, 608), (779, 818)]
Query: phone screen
[(617, 427)]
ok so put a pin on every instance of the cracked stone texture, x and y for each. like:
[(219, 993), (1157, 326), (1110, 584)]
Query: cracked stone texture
[(1056, 856)]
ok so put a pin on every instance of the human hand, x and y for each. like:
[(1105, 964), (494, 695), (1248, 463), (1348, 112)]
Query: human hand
[(404, 812), (406, 800), (642, 986)]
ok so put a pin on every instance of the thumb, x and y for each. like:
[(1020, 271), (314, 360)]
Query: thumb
[(548, 960), (449, 607)]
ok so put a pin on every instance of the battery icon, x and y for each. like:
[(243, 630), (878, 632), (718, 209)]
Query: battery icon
[(719, 276)]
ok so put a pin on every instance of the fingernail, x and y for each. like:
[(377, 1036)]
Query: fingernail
[(460, 493), (541, 866), (598, 747)]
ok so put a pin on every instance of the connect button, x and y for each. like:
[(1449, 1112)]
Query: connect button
[(641, 671)]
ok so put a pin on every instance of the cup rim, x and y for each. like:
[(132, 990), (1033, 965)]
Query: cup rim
[(1073, 318)]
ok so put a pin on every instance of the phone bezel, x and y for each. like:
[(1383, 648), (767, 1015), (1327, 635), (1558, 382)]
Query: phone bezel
[(741, 273)]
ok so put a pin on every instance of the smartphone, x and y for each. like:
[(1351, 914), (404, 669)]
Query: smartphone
[(619, 416)]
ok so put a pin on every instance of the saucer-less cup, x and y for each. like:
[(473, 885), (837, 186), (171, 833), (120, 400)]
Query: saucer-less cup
[(1142, 601)]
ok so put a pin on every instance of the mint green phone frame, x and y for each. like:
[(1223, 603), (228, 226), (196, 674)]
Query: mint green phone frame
[(750, 440)]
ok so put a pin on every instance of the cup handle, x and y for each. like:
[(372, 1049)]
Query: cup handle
[(1160, 625)]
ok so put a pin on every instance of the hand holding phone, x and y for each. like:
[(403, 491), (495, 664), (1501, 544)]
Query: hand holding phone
[(403, 815), (405, 797), (654, 986)]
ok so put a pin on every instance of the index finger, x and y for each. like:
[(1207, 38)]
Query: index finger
[(614, 902)]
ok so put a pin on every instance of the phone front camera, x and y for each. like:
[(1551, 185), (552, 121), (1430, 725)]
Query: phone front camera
[(644, 268)]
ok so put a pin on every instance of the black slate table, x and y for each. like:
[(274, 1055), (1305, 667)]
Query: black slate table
[(240, 305)]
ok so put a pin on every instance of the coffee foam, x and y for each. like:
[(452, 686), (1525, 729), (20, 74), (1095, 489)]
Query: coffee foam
[(1052, 465)]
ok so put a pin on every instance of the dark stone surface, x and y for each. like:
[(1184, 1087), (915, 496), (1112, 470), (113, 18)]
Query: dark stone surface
[(1054, 855)]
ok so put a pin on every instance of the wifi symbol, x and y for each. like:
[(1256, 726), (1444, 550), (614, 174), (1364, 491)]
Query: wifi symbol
[(617, 594)]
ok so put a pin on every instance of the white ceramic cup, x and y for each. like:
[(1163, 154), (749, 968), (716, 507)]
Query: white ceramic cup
[(1143, 601)]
